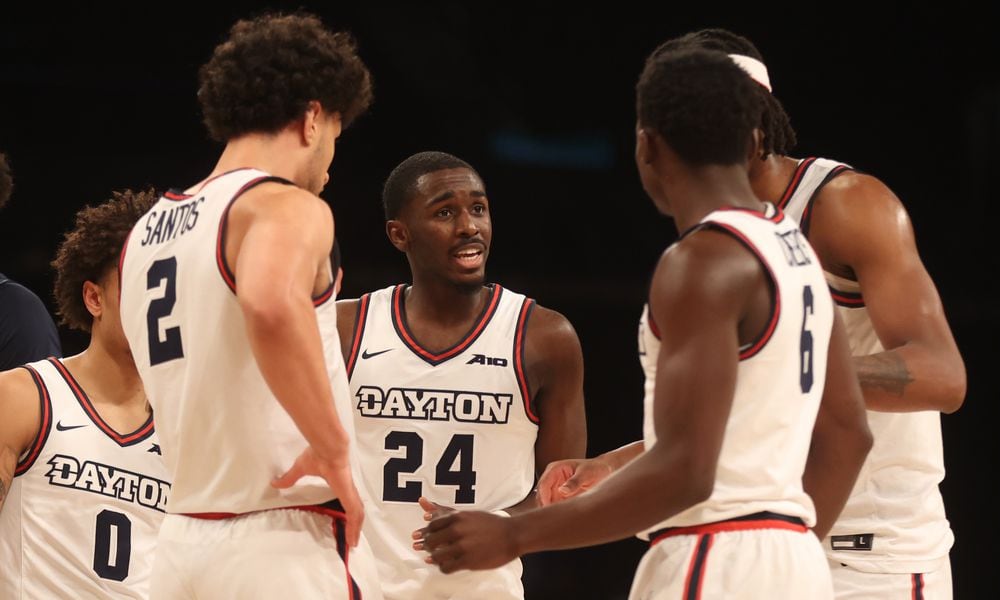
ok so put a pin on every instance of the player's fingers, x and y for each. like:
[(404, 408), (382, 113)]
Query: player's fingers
[(439, 523), (290, 477), (355, 512), (554, 476)]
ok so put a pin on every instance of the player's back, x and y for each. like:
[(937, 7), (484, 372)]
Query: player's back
[(895, 518), (224, 434), (779, 382)]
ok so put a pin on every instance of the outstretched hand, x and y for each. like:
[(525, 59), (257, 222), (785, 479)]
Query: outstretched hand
[(338, 476), (474, 540), (564, 479)]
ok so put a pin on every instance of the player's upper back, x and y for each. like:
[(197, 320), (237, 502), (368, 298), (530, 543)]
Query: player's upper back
[(780, 378), (223, 433)]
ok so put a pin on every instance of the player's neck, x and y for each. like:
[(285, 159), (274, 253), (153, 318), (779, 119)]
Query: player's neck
[(710, 188), (108, 377), (444, 303), (277, 154), (770, 177)]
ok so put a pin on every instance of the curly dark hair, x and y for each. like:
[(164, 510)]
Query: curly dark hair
[(402, 182), (702, 104), (92, 248), (264, 76), (6, 180), (779, 136)]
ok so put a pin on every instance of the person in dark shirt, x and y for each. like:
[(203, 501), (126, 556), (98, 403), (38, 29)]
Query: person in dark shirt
[(27, 332)]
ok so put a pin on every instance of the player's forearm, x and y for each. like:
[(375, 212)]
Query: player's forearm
[(289, 352), (912, 378), (831, 470), (649, 489), (529, 503), (619, 457)]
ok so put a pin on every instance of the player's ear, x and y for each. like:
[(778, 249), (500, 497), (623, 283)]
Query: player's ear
[(93, 299), (310, 124), (643, 146), (756, 150), (398, 234)]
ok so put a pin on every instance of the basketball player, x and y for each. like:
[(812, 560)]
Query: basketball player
[(892, 539), (753, 383), (227, 303), (462, 391), (27, 332), (82, 483)]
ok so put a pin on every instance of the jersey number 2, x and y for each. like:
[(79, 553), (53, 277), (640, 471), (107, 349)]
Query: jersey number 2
[(459, 451), (170, 347), (112, 545)]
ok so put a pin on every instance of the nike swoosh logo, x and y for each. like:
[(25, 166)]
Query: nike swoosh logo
[(62, 427), (365, 354)]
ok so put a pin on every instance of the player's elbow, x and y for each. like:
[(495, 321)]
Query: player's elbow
[(953, 388)]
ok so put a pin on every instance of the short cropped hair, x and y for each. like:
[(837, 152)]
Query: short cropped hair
[(265, 74), (402, 182)]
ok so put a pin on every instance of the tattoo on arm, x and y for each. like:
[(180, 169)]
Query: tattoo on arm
[(885, 371)]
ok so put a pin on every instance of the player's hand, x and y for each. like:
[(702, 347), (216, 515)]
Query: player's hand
[(564, 479), (469, 540), (431, 510), (337, 474)]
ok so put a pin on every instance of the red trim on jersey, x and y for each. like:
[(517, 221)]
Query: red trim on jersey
[(128, 439), (772, 324), (359, 330), (848, 299), (399, 322), (793, 184), (169, 195), (733, 525), (45, 423), (653, 327), (325, 294), (917, 592), (121, 265), (696, 570), (519, 338), (806, 220)]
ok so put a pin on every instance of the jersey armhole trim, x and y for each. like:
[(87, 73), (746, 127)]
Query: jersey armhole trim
[(45, 424), (361, 317), (793, 184), (220, 246), (806, 219), (121, 265), (847, 299), (757, 344), (520, 335)]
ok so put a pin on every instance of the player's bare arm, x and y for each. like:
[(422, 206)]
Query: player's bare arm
[(19, 425), (700, 292), (554, 366), (347, 318), (861, 230), (279, 244), (841, 438), (564, 479)]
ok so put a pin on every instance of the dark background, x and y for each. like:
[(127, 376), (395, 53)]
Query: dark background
[(539, 97)]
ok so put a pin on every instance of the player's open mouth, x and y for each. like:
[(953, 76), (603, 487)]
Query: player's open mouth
[(469, 257)]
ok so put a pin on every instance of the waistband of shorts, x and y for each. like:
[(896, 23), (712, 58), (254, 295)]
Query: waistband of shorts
[(333, 509), (760, 520)]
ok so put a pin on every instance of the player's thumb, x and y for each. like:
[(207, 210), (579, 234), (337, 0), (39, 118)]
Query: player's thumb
[(355, 517), (572, 485), (289, 478)]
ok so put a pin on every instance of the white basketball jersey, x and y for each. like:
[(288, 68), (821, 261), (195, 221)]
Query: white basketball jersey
[(894, 520), (457, 427), (779, 383), (86, 502), (225, 437)]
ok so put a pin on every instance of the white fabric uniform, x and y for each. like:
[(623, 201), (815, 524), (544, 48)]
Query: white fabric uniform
[(779, 386), (85, 504), (225, 437), (456, 427), (894, 521)]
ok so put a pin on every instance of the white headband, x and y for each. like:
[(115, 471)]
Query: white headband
[(754, 68)]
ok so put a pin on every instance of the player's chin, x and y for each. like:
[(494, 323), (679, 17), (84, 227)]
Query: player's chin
[(468, 278)]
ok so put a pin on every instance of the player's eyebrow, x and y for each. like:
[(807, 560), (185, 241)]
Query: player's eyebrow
[(449, 194)]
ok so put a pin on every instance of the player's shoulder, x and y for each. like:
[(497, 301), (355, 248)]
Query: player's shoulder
[(853, 191), (17, 386), (547, 327), (282, 197)]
